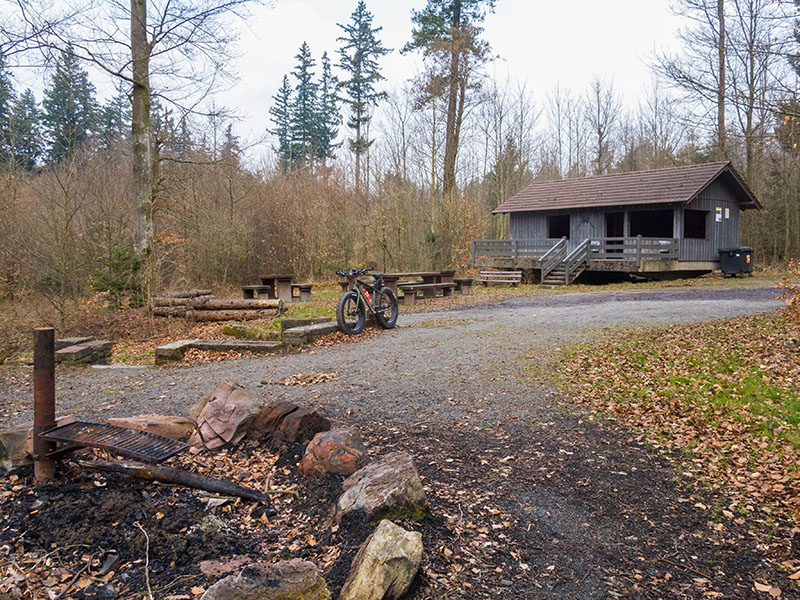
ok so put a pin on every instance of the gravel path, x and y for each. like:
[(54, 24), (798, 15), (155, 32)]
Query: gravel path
[(592, 513), (426, 368)]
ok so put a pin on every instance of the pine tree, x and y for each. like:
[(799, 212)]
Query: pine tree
[(25, 134), (328, 117), (115, 120), (6, 104), (448, 31), (359, 59), (303, 124), (281, 112), (70, 109)]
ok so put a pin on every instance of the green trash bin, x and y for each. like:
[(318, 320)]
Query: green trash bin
[(733, 261)]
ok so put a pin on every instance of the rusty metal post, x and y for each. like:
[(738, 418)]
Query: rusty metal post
[(44, 401)]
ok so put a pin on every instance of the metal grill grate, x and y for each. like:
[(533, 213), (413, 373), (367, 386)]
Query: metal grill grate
[(141, 445)]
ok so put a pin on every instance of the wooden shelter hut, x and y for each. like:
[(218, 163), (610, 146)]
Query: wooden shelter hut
[(657, 223)]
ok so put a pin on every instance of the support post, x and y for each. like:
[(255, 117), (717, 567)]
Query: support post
[(639, 251), (44, 401), (515, 250)]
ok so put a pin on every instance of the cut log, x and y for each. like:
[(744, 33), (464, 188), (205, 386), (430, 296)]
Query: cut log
[(164, 301), (176, 476), (235, 304), (189, 294), (231, 315), (170, 311)]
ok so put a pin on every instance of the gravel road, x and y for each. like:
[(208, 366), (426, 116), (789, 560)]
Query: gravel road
[(425, 369)]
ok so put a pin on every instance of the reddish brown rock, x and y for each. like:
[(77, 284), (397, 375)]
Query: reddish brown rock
[(269, 419), (225, 417), (169, 426), (299, 426), (281, 422), (334, 451)]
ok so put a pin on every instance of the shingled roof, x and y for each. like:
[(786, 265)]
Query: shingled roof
[(657, 186)]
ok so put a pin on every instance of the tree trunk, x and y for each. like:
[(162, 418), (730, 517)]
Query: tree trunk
[(451, 135), (721, 135), (235, 304), (143, 228), (230, 315)]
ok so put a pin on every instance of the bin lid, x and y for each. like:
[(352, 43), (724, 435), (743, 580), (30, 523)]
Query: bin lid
[(737, 249)]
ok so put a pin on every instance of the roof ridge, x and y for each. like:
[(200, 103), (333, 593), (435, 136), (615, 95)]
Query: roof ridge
[(718, 163)]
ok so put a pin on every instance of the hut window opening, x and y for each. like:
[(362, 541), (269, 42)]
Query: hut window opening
[(652, 223), (694, 224)]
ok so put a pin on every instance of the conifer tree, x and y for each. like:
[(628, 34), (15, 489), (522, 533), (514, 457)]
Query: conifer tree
[(6, 104), (70, 109), (25, 134), (448, 31), (281, 112), (328, 117), (359, 56), (115, 120), (303, 124)]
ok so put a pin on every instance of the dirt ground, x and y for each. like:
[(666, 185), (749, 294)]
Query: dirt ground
[(530, 497)]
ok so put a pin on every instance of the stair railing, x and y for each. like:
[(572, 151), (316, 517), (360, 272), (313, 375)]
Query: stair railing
[(576, 261), (553, 257)]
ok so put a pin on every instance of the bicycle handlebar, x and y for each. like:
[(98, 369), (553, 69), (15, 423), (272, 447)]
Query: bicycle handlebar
[(355, 272)]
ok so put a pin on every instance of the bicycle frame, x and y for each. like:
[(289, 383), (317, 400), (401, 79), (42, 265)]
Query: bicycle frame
[(359, 287)]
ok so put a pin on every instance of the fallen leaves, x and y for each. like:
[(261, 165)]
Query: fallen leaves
[(726, 391), (304, 379)]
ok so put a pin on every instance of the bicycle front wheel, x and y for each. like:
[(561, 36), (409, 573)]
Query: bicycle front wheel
[(351, 316), (386, 308)]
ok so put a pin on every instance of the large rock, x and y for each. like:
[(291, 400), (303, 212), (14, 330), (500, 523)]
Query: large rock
[(385, 565), (334, 451), (14, 450), (287, 580), (281, 422), (16, 445), (224, 417), (388, 488), (169, 426)]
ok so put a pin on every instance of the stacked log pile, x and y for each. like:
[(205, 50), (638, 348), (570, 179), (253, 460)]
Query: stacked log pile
[(201, 305)]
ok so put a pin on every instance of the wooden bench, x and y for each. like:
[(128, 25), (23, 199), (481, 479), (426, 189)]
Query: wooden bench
[(303, 292), (428, 290), (512, 277), (463, 285), (256, 291)]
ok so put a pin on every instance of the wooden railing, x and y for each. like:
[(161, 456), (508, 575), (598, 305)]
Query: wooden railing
[(576, 261), (633, 248), (553, 257), (612, 248), (513, 249)]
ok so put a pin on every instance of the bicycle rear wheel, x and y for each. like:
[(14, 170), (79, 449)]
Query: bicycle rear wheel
[(386, 308), (351, 316)]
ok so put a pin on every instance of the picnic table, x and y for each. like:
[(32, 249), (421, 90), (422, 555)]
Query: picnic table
[(281, 285), (446, 276)]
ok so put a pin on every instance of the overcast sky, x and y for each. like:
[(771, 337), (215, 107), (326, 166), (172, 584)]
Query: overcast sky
[(539, 42)]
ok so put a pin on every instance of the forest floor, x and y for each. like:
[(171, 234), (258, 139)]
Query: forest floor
[(540, 484)]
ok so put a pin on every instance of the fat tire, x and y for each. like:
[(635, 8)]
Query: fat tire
[(344, 306), (386, 298)]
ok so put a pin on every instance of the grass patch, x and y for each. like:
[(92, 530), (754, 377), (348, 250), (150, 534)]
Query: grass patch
[(726, 391)]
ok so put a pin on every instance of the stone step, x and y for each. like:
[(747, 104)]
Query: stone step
[(294, 323), (72, 353), (298, 336), (255, 346), (73, 341)]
